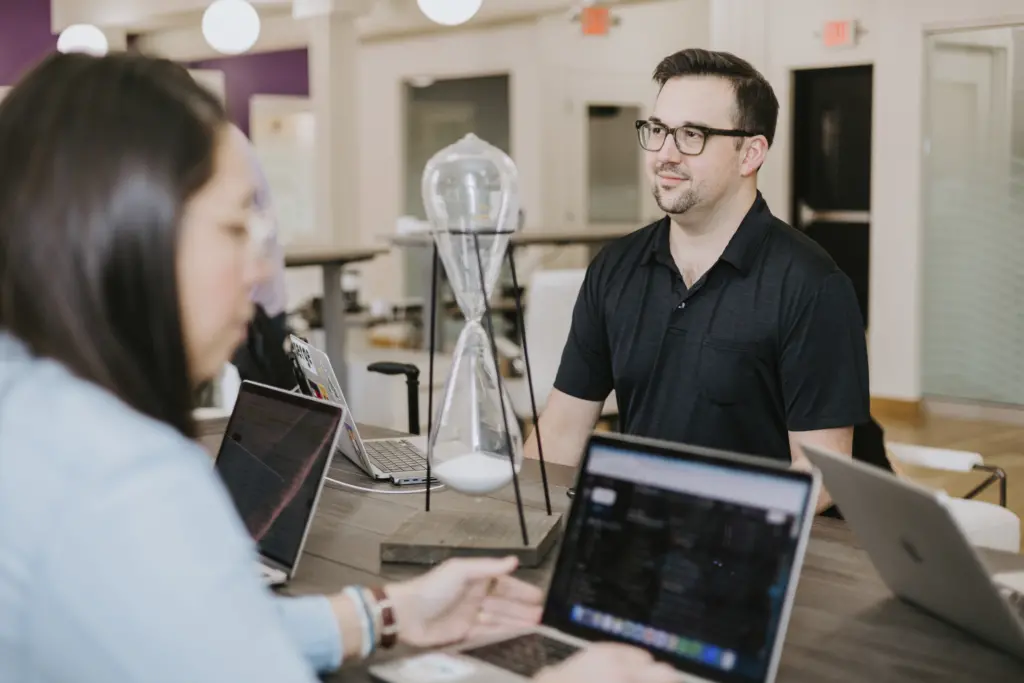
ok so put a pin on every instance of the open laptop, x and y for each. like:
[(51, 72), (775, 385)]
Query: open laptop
[(921, 553), (690, 553), (396, 459), (273, 459)]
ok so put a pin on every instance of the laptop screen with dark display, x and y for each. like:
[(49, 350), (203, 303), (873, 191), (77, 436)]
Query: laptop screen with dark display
[(690, 556), (273, 459)]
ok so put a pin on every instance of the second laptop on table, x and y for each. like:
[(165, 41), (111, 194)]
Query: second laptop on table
[(396, 459)]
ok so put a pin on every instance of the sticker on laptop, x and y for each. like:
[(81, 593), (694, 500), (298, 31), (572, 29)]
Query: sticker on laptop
[(302, 354), (350, 432), (435, 667)]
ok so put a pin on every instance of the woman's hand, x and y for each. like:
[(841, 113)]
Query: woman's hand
[(462, 598), (609, 663)]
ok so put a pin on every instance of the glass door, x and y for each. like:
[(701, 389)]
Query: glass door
[(973, 242)]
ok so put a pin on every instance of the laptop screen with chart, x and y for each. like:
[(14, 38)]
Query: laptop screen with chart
[(694, 559)]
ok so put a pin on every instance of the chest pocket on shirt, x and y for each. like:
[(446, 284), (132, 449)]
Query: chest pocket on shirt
[(729, 372)]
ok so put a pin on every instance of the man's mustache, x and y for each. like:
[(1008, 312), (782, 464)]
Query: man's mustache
[(672, 170)]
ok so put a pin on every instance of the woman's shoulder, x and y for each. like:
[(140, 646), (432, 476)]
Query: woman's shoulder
[(42, 402), (68, 432)]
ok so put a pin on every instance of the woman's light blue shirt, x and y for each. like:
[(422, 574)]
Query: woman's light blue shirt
[(121, 555)]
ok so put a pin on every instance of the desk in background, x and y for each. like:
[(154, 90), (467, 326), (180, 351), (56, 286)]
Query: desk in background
[(518, 239), (332, 261)]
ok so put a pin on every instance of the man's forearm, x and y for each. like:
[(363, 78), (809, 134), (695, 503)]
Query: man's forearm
[(835, 440), (564, 427), (560, 446)]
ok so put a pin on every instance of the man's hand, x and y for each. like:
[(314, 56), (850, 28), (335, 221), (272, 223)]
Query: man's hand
[(838, 441)]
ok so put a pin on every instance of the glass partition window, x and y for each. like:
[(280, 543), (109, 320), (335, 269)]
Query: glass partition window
[(973, 325)]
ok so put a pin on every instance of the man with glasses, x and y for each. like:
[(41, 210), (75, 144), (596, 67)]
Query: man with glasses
[(718, 325)]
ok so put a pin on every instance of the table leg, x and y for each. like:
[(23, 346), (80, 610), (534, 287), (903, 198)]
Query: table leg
[(334, 322)]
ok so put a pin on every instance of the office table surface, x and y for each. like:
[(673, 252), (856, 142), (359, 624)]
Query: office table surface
[(845, 625)]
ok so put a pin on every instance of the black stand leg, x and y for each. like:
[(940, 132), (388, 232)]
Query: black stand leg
[(529, 376), (501, 393), (430, 374)]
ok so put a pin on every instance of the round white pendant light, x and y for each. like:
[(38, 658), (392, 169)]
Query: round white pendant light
[(83, 38), (231, 26), (449, 12)]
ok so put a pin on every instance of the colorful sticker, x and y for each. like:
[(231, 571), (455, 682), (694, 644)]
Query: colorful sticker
[(353, 439), (302, 354)]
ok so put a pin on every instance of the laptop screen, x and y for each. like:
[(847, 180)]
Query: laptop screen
[(273, 458), (690, 558)]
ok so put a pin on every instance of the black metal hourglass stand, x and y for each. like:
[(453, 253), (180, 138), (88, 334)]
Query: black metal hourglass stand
[(475, 235)]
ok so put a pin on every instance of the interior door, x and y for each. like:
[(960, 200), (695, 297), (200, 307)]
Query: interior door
[(607, 188), (832, 166)]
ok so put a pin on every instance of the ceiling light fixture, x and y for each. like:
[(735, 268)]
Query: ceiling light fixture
[(83, 38), (231, 27), (449, 12)]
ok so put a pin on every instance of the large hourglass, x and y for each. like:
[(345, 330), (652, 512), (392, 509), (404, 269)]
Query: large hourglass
[(470, 192), (475, 447)]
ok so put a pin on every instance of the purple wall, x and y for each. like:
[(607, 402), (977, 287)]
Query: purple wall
[(265, 73), (25, 37)]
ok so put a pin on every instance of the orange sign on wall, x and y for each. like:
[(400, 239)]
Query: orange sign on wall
[(596, 21), (839, 33)]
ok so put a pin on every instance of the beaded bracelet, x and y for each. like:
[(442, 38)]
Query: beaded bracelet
[(385, 613), (366, 619)]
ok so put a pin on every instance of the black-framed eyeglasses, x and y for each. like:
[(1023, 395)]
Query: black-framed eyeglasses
[(690, 139)]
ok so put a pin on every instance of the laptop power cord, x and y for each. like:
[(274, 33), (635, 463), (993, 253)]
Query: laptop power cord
[(366, 489)]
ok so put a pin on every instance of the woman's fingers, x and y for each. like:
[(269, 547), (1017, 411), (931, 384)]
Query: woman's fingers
[(502, 608), (513, 589)]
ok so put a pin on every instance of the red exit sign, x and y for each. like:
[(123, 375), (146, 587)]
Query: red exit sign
[(841, 33)]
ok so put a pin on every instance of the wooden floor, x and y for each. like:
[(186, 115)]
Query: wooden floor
[(1000, 444)]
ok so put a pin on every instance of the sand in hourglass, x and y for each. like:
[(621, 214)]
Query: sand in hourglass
[(475, 473)]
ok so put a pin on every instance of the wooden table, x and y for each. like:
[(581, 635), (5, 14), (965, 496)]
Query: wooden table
[(332, 261), (845, 626)]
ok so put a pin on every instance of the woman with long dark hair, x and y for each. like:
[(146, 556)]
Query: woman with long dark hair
[(128, 255)]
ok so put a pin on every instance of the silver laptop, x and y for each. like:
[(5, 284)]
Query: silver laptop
[(921, 553), (690, 553), (276, 451), (400, 460)]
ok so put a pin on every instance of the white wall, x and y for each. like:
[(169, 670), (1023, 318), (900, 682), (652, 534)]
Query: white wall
[(784, 39), (554, 71)]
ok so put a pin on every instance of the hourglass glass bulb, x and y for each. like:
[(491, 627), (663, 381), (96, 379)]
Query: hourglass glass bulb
[(471, 195)]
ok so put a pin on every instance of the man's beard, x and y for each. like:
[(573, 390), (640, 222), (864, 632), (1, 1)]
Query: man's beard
[(676, 205)]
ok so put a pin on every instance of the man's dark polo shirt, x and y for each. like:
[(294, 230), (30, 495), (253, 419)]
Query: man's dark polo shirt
[(769, 340)]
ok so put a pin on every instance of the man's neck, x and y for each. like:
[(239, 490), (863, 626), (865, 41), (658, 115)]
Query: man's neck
[(698, 237)]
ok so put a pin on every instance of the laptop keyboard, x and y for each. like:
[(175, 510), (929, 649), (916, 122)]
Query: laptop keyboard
[(524, 655), (395, 455)]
